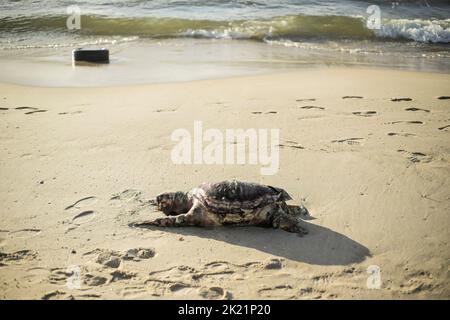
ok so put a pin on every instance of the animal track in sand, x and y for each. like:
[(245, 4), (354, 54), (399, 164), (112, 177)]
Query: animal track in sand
[(349, 141), (443, 98), (312, 107), (3, 108), (444, 127), (364, 113), (401, 99), (401, 134), (87, 201), (416, 156), (352, 97), (416, 109)]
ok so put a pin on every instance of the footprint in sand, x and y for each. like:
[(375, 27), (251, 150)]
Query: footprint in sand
[(16, 256), (364, 113), (417, 281), (291, 144), (312, 107), (87, 201), (416, 156), (166, 110), (89, 296), (53, 295), (350, 141), (127, 195), (352, 97), (215, 293), (83, 217), (35, 111), (304, 100), (120, 275), (401, 134), (406, 121), (94, 281), (113, 258), (400, 99), (273, 264), (26, 108), (267, 112), (134, 291), (73, 112), (24, 233), (110, 259), (179, 286), (417, 109), (137, 254), (59, 275), (282, 291)]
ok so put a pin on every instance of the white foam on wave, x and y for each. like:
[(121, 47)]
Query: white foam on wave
[(418, 30), (100, 41)]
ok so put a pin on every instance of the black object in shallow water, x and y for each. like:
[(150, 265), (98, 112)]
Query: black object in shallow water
[(90, 55)]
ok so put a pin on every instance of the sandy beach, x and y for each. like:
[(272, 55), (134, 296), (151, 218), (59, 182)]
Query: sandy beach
[(78, 166)]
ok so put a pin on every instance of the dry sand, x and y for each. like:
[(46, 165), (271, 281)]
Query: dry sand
[(374, 175)]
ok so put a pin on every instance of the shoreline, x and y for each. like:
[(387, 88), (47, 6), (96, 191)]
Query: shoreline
[(184, 60)]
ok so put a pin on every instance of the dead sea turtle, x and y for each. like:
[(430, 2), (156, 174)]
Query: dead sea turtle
[(229, 203)]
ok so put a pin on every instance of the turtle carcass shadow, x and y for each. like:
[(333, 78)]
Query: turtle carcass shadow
[(321, 246)]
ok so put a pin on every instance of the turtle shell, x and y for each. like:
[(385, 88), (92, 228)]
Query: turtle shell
[(235, 196)]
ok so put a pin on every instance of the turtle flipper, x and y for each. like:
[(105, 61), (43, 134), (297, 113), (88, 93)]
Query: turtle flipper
[(182, 220), (192, 218), (287, 222)]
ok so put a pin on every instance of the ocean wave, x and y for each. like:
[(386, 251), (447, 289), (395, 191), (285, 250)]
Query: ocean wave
[(437, 31), (292, 27)]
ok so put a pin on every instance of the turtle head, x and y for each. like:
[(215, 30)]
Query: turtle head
[(173, 203)]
